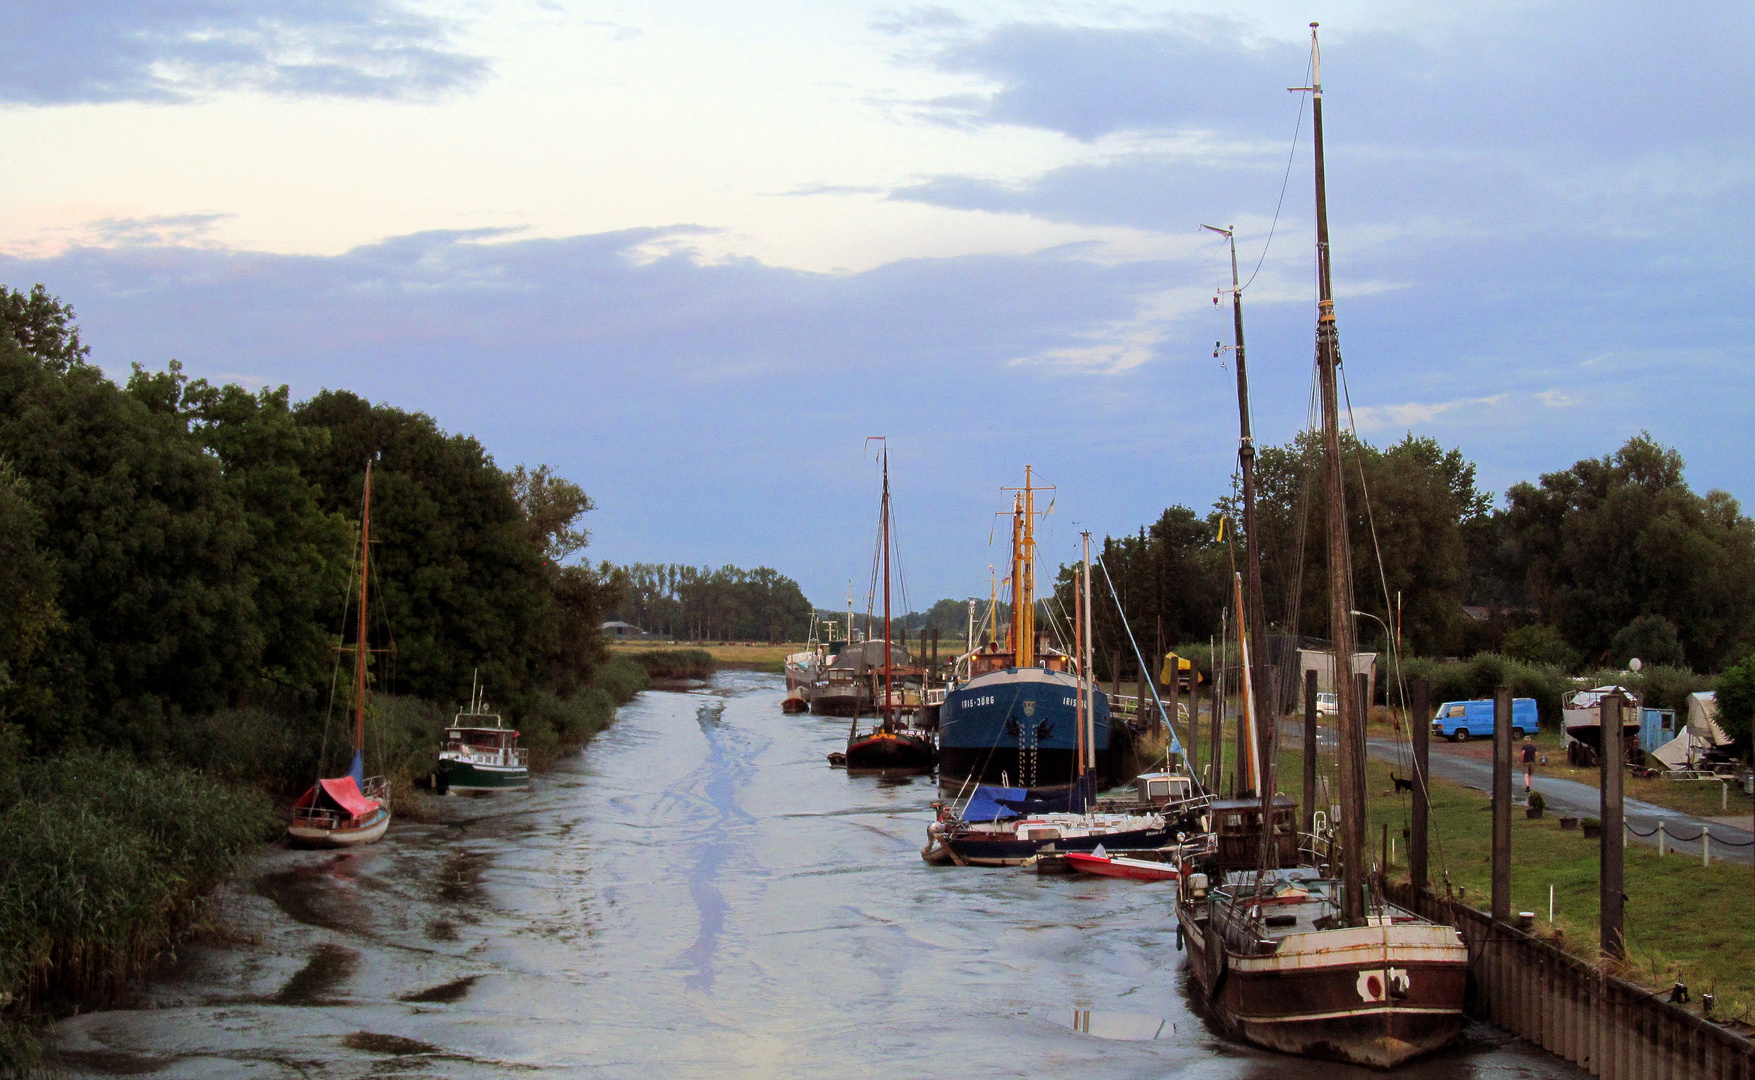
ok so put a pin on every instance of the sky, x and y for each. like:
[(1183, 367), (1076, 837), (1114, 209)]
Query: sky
[(693, 254)]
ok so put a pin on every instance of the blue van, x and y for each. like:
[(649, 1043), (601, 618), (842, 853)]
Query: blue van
[(1458, 720)]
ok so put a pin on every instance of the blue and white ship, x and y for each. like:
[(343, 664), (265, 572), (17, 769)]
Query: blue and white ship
[(1014, 719)]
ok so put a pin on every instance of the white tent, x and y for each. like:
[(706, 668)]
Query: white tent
[(1700, 734), (1703, 717)]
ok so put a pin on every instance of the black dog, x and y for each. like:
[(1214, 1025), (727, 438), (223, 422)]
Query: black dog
[(1402, 785)]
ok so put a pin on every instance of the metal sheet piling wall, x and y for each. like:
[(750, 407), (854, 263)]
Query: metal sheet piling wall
[(1604, 1024)]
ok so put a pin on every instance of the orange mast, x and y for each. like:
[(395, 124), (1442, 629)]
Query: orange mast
[(358, 769)]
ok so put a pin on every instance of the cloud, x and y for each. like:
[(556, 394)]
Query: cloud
[(176, 50), (1373, 418)]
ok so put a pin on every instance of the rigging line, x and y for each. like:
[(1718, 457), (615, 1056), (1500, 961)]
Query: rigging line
[(1175, 741), (1297, 129)]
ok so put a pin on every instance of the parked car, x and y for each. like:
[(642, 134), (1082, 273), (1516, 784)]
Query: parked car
[(1326, 705), (1461, 720)]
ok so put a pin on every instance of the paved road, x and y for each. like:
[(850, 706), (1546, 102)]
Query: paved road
[(1580, 800)]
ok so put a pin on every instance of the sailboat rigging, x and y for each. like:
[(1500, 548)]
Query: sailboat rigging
[(348, 810)]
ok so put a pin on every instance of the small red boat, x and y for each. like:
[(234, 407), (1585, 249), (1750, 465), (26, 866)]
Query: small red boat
[(1121, 866)]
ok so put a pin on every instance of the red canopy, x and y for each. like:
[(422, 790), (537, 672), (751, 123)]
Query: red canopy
[(343, 792)]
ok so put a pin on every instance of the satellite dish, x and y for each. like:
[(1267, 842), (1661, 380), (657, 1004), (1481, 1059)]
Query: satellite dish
[(1635, 664)]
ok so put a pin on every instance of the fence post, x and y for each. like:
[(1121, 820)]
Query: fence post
[(1174, 691), (1502, 804), (1611, 877)]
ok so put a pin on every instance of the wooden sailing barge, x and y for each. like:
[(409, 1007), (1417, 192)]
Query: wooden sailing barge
[(1295, 958)]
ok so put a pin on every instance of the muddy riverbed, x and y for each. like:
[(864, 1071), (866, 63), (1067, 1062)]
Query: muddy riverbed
[(696, 895)]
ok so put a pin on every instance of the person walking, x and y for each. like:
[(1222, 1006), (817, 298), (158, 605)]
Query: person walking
[(1529, 765)]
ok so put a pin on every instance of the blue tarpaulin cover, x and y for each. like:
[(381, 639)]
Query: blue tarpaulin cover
[(989, 803)]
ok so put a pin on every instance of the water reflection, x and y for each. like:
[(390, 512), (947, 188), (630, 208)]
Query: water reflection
[(696, 893), (1125, 1026)]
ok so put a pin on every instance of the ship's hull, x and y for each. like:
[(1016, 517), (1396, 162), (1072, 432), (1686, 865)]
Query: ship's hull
[(977, 849), (1018, 727), (890, 751), (1376, 996), (306, 833), (461, 777)]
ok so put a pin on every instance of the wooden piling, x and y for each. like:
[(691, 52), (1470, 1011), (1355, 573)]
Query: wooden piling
[(1421, 731), (1309, 752), (1216, 716), (1611, 879), (1242, 739), (1194, 726), (1174, 694), (1502, 804)]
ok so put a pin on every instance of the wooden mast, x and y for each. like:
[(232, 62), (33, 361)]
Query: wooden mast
[(1350, 717), (358, 768), (888, 699), (1079, 645), (1014, 640), (1027, 602)]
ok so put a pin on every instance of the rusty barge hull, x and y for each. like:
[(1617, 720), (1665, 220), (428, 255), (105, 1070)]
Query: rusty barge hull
[(1376, 996)]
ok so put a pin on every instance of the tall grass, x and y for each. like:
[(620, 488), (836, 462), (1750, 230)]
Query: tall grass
[(674, 663), (104, 861)]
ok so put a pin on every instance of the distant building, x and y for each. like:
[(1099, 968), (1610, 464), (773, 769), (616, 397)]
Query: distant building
[(621, 631), (1322, 662)]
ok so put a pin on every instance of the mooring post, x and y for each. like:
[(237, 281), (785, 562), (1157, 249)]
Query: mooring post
[(1502, 804), (1310, 752), (1141, 691), (1216, 716), (1611, 875), (1243, 711), (1115, 679), (1194, 726), (935, 654), (1174, 695), (1421, 730)]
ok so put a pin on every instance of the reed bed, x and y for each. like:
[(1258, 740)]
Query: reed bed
[(104, 862)]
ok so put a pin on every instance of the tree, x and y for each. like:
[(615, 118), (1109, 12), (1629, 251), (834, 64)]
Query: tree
[(1650, 638), (1734, 692), (1539, 643), (42, 326), (1623, 536), (552, 507)]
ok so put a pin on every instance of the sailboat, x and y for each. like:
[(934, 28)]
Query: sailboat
[(348, 810), (891, 746), (1291, 957)]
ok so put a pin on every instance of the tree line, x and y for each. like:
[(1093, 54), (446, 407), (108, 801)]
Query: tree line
[(698, 603), (1587, 567), (173, 547)]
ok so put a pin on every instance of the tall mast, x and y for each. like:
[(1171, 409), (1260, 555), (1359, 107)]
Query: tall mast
[(1079, 644), (1090, 729), (1027, 652), (358, 768), (886, 516), (1349, 718), (1014, 638)]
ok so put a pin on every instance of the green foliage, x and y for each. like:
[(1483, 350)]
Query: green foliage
[(103, 861), (552, 507), (1612, 539), (1482, 674), (1734, 691), (1538, 800), (42, 326), (1539, 643), (1650, 638), (702, 604)]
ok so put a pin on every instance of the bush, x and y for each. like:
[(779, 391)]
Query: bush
[(1536, 800), (1482, 674), (1651, 638)]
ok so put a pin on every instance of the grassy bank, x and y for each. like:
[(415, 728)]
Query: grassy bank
[(669, 661)]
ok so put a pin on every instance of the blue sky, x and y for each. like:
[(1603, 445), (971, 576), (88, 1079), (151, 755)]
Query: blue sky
[(692, 254)]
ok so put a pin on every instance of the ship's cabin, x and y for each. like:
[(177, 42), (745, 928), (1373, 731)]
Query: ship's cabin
[(1237, 822), (992, 657), (1165, 789)]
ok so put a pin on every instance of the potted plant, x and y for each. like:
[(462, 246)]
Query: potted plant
[(1534, 807), (1568, 822), (1593, 827)]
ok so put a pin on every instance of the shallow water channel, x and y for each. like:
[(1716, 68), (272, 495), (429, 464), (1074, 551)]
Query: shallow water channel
[(696, 895)]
